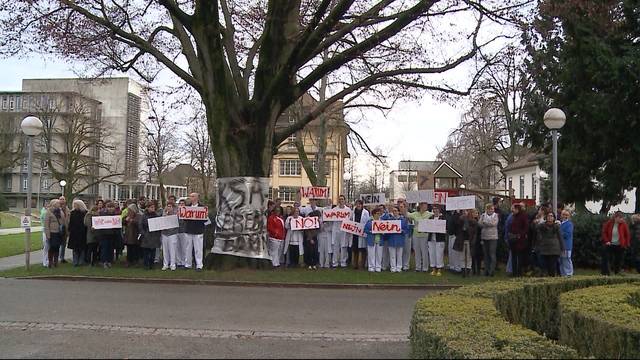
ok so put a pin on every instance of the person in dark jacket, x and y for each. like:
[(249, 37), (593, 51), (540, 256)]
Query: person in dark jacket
[(77, 232), (54, 229), (92, 241), (517, 232), (311, 243), (454, 256), (194, 236), (635, 239), (149, 240), (548, 243), (466, 238), (132, 235), (107, 237)]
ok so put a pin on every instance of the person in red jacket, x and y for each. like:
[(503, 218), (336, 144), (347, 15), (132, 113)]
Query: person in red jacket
[(518, 244), (616, 238), (277, 232)]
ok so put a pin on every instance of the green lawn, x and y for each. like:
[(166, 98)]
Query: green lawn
[(338, 276), (12, 220), (14, 244)]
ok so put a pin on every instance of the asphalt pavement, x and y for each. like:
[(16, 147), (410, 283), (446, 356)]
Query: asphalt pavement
[(46, 318)]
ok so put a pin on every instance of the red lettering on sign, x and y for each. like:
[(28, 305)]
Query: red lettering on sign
[(314, 192), (385, 227)]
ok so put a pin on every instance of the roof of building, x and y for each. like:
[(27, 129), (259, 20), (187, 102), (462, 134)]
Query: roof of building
[(527, 160), (418, 165), (446, 170)]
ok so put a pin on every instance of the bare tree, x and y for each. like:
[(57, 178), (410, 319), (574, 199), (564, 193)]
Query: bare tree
[(161, 150), (201, 157), (76, 143), (250, 61), (11, 151)]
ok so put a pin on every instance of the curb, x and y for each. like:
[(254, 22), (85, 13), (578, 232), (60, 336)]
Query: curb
[(434, 287)]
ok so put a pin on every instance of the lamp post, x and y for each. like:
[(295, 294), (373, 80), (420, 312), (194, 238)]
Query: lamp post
[(32, 127), (554, 119), (63, 184)]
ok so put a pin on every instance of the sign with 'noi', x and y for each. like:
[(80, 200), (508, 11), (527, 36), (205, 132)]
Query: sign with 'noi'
[(304, 223)]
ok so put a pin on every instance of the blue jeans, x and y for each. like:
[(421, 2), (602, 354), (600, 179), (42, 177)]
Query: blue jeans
[(566, 265), (106, 250), (148, 256)]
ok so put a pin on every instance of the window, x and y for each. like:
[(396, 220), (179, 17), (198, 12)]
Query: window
[(291, 142), (521, 186), (270, 196), (407, 178), (44, 165), (327, 167), (45, 183), (290, 168), (12, 202), (25, 165), (18, 102), (12, 103), (534, 185), (4, 102), (288, 194), (25, 102), (510, 184), (402, 178), (8, 182), (24, 180)]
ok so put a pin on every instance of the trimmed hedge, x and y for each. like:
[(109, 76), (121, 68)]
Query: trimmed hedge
[(464, 323), (497, 320), (602, 321), (535, 305)]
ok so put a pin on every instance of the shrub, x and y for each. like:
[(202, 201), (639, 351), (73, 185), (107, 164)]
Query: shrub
[(602, 321), (3, 203), (535, 304), (464, 323)]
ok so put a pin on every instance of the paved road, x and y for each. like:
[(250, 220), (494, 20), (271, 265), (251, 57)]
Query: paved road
[(87, 319), (35, 259)]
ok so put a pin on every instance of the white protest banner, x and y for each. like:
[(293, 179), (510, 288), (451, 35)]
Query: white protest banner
[(420, 196), (352, 227), (315, 192), (193, 213), (433, 226), (386, 227), (240, 220), (412, 197), (461, 202), (440, 197), (336, 214), (304, 223), (106, 222), (372, 199), (163, 223)]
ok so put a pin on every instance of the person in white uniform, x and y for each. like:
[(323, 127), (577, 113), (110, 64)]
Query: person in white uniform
[(359, 243), (340, 240), (406, 252), (436, 245), (169, 239), (194, 236), (325, 249)]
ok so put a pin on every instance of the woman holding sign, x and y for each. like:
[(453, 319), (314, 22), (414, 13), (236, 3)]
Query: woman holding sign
[(169, 241), (340, 239), (420, 239), (374, 243), (311, 243), (436, 245), (294, 240), (149, 240), (396, 240)]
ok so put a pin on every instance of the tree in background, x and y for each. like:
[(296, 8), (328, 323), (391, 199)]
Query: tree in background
[(11, 151), (250, 61), (200, 155), (161, 150), (584, 57)]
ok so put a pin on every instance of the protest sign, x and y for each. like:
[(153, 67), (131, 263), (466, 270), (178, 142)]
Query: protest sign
[(315, 192), (163, 223), (106, 222), (336, 214), (241, 221), (420, 196), (193, 213), (386, 227), (461, 202), (433, 226), (440, 197), (372, 199), (352, 227), (304, 223)]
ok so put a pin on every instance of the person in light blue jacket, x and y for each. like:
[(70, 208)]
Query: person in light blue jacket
[(374, 243), (395, 241), (566, 230)]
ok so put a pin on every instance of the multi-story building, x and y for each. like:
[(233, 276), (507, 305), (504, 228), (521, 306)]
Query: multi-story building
[(287, 172)]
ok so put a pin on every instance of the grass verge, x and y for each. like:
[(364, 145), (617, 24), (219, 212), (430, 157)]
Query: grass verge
[(14, 244)]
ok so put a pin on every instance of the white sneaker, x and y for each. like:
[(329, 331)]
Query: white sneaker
[(164, 268), (173, 268)]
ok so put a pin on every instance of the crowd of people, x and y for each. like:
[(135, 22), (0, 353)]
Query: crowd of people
[(539, 244), (72, 228)]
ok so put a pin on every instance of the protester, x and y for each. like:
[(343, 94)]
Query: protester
[(78, 232), (182, 238), (45, 243), (65, 235), (505, 236), (566, 228), (635, 239), (277, 233), (436, 245), (616, 238), (325, 248), (132, 235), (455, 256), (312, 207), (339, 239), (374, 243), (517, 237), (548, 244), (278, 204), (396, 241), (420, 239), (294, 240), (92, 241), (359, 243), (149, 240), (169, 239), (311, 243), (489, 236), (194, 236), (107, 237), (408, 238), (54, 228)]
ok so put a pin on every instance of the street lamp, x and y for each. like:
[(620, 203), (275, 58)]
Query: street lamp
[(554, 119), (63, 183), (32, 127)]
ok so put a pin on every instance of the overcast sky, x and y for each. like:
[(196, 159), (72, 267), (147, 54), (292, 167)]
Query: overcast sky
[(411, 131)]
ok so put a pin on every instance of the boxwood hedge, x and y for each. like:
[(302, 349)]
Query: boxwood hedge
[(497, 320), (602, 321)]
